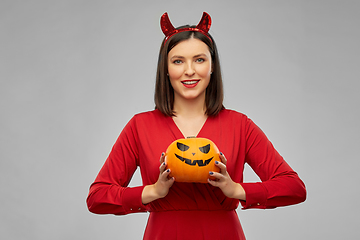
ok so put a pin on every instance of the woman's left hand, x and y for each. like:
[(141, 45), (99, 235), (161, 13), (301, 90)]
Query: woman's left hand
[(223, 181)]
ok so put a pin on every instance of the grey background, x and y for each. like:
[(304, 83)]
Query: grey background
[(74, 72)]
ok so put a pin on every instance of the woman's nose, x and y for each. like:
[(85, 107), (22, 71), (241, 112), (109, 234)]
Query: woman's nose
[(189, 69)]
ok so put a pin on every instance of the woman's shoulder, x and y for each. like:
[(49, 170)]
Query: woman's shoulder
[(149, 114), (229, 113), (235, 118), (149, 117), (156, 115), (145, 120), (229, 117)]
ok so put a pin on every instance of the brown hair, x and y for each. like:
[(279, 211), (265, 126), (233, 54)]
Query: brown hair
[(164, 92)]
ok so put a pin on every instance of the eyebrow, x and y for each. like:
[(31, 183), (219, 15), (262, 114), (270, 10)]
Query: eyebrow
[(196, 56)]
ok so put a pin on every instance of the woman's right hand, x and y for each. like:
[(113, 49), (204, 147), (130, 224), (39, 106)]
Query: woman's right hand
[(161, 188)]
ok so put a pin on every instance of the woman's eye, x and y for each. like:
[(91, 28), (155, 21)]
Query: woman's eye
[(177, 61), (200, 60)]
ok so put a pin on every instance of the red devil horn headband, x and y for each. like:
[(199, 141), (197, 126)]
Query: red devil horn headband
[(169, 30)]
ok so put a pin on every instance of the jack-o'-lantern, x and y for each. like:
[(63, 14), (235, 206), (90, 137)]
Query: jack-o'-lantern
[(191, 159)]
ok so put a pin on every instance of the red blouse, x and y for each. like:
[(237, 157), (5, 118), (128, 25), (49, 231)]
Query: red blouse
[(148, 134)]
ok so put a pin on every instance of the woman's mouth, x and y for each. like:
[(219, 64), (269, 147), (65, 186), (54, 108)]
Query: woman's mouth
[(190, 83)]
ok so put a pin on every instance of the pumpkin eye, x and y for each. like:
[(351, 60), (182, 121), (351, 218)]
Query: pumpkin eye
[(182, 147), (205, 149)]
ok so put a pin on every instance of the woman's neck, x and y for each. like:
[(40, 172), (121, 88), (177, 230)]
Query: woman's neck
[(190, 116), (189, 108)]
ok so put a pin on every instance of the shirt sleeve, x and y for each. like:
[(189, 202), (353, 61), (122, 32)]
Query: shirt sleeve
[(109, 193), (280, 185)]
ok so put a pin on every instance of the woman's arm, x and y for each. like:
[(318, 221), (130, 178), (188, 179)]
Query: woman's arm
[(280, 186), (109, 193)]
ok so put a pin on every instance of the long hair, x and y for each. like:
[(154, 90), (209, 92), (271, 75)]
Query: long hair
[(164, 92)]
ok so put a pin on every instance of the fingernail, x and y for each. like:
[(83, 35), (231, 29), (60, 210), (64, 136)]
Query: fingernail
[(162, 154), (216, 162), (163, 163), (168, 170), (221, 153), (211, 173)]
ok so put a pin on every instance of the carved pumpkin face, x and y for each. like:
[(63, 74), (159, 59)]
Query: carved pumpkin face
[(191, 159)]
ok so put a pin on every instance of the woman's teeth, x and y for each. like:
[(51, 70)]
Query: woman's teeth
[(190, 82)]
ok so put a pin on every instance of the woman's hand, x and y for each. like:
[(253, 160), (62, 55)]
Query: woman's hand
[(161, 188), (225, 183), (163, 183)]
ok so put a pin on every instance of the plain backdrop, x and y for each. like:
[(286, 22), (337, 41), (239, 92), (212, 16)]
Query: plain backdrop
[(74, 72)]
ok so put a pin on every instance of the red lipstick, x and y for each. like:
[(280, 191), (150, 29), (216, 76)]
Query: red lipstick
[(190, 83)]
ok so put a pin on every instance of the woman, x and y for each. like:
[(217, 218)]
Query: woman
[(188, 98)]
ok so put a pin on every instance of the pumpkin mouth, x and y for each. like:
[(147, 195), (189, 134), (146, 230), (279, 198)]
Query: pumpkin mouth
[(200, 163)]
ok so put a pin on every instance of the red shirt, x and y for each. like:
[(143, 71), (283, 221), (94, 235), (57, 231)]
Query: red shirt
[(148, 134)]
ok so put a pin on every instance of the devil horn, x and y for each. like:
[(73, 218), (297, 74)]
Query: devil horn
[(166, 25), (204, 23)]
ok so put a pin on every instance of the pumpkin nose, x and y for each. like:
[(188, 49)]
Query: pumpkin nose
[(193, 154)]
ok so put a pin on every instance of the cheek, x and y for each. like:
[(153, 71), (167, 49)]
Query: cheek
[(175, 72), (204, 70)]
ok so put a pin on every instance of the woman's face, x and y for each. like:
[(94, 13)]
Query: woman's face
[(189, 68)]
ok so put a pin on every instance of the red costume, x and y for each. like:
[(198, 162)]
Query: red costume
[(193, 210)]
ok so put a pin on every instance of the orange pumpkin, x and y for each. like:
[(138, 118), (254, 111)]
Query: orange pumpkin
[(191, 159)]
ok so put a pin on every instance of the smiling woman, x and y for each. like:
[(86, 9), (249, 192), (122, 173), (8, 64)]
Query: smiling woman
[(189, 102), (189, 69), (188, 38)]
